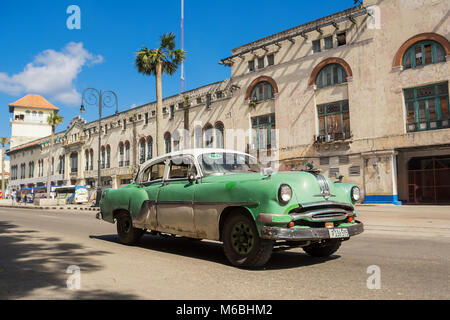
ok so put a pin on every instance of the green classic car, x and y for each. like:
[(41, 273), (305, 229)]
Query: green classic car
[(226, 196)]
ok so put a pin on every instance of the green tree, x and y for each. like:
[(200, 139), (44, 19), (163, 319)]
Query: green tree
[(3, 141), (164, 59), (53, 120)]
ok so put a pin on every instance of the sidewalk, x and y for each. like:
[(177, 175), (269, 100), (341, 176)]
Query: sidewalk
[(408, 220)]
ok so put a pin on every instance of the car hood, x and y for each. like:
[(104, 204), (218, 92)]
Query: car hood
[(305, 186)]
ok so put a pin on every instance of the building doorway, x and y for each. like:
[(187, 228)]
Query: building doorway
[(429, 180)]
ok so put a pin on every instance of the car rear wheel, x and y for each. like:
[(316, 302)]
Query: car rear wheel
[(323, 249), (242, 245), (128, 234)]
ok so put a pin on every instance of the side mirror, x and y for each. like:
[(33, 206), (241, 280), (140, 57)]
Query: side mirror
[(192, 177), (267, 171)]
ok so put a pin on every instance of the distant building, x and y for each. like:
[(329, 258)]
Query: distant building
[(29, 119)]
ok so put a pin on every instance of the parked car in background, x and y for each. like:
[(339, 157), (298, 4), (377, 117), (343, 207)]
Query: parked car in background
[(225, 195)]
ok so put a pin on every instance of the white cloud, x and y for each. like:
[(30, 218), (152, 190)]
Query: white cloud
[(51, 74)]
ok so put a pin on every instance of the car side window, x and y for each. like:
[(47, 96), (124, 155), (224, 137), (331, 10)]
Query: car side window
[(154, 172), (157, 171), (181, 167)]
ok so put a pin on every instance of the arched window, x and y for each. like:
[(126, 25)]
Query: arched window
[(108, 156), (262, 91), (198, 137), (34, 114), (74, 162), (127, 153), (41, 116), (91, 160), (423, 53), (27, 115), (61, 164), (209, 136), (103, 158), (86, 154), (167, 142), (176, 140), (31, 169), (331, 75), (121, 153), (220, 129), (142, 150), (149, 148)]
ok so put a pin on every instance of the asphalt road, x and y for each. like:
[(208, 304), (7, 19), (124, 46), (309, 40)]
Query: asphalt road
[(409, 245)]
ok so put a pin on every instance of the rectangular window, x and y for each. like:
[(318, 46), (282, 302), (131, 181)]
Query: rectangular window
[(334, 172), (344, 160), (251, 66), (354, 171), (172, 111), (316, 46), (270, 60), (324, 161), (124, 124), (219, 94), (153, 113), (328, 42), (334, 121), (341, 39), (260, 63), (427, 108), (146, 118), (263, 132), (199, 100)]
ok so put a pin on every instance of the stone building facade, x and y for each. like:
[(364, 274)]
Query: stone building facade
[(362, 93)]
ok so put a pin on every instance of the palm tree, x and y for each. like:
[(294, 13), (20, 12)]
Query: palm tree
[(164, 59), (53, 120), (3, 141)]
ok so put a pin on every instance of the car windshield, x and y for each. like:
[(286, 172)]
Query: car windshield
[(227, 163)]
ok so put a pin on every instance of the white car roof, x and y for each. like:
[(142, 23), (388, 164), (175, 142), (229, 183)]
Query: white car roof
[(193, 152)]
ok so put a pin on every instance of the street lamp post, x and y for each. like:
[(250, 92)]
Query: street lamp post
[(106, 99)]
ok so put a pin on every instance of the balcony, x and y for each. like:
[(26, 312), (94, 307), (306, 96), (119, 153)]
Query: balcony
[(74, 142), (334, 141)]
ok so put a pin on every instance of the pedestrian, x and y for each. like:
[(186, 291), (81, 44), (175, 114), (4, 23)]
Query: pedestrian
[(13, 194), (18, 197)]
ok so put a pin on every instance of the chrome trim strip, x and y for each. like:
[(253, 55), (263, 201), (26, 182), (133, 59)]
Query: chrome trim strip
[(326, 203)]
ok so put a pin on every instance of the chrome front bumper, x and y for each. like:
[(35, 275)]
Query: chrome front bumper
[(301, 234)]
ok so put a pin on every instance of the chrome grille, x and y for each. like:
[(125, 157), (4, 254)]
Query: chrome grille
[(323, 211)]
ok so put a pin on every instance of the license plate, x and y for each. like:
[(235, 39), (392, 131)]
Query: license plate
[(338, 233)]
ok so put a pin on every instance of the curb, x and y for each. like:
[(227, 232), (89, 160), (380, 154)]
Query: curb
[(53, 208)]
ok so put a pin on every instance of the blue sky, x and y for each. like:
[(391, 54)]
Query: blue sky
[(40, 55)]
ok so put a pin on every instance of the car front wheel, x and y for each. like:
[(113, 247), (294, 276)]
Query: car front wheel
[(128, 234), (323, 249), (242, 245)]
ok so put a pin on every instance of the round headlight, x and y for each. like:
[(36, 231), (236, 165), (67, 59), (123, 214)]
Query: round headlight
[(355, 194), (284, 193)]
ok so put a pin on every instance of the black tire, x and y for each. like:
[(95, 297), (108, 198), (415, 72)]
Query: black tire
[(128, 234), (324, 249), (260, 250)]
